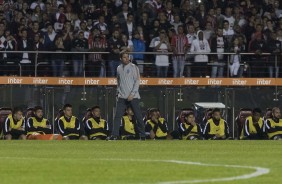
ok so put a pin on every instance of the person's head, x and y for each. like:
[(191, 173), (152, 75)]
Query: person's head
[(200, 35), (96, 111), (236, 42), (49, 28), (24, 33), (17, 114), (162, 16), (208, 26), (176, 18), (38, 111), (219, 32), (61, 8), (154, 114), (162, 34), (256, 114), (216, 115), (124, 38), (124, 7), (116, 34), (35, 25), (228, 11), (81, 35), (156, 23), (130, 17), (129, 111), (83, 25), (67, 110), (136, 35), (276, 113), (101, 19), (190, 117), (180, 29), (124, 57), (191, 29), (226, 24)]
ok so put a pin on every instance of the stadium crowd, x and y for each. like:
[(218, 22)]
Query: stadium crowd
[(114, 26), (66, 126)]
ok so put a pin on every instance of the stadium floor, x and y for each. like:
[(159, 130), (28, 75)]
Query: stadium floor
[(140, 162)]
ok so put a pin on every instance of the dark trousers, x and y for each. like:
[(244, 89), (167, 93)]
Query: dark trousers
[(120, 109)]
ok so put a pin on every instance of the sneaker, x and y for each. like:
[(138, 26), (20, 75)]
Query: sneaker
[(112, 138), (142, 138)]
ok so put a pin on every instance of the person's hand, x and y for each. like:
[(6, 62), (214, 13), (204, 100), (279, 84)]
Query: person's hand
[(130, 98), (193, 123)]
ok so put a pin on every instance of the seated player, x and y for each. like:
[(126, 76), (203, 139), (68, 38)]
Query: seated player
[(96, 126), (69, 125), (273, 126), (253, 126), (39, 128), (128, 128), (216, 127), (87, 115), (156, 127), (189, 129), (14, 126)]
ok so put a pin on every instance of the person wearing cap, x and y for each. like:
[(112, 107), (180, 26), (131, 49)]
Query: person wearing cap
[(189, 129), (216, 127), (273, 126), (96, 127), (253, 126)]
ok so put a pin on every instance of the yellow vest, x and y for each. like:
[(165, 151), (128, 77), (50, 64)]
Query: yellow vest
[(14, 125), (128, 125), (252, 128), (214, 129), (96, 125), (159, 132), (194, 130), (70, 124), (38, 124), (273, 125)]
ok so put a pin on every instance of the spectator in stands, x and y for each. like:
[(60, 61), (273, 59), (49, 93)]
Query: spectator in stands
[(25, 44), (208, 31), (138, 46), (122, 15), (229, 18), (190, 130), (235, 59), (59, 58), (114, 47), (156, 127), (37, 124), (97, 126), (10, 65), (253, 126), (176, 22), (14, 126), (219, 44), (128, 27), (169, 11), (102, 26), (69, 125), (274, 47), (79, 44), (216, 127), (128, 127), (258, 46), (164, 23), (200, 46), (97, 43), (227, 32), (201, 15), (179, 44), (59, 18), (162, 46), (273, 125), (83, 28)]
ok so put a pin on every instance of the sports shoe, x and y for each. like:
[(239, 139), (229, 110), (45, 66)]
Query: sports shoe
[(112, 138)]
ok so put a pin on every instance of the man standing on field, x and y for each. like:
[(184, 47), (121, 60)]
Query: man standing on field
[(128, 80)]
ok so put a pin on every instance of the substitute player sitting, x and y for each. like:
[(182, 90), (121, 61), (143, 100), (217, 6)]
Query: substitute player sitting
[(189, 129), (273, 126), (69, 125), (253, 127), (216, 127), (156, 126), (128, 127), (96, 126), (14, 126)]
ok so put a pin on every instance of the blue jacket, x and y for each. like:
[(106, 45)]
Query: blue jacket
[(138, 46)]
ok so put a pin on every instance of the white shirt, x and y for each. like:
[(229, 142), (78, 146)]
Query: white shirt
[(162, 59)]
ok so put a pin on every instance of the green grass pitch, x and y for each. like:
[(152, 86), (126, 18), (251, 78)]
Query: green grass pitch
[(137, 161)]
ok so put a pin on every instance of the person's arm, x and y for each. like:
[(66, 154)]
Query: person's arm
[(270, 129), (163, 126), (206, 133), (185, 131), (61, 127), (226, 129), (7, 129), (47, 130), (136, 79)]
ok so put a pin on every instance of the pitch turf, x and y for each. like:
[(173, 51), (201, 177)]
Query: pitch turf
[(136, 162)]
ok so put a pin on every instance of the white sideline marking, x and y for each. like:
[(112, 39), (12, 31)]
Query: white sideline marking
[(258, 170)]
